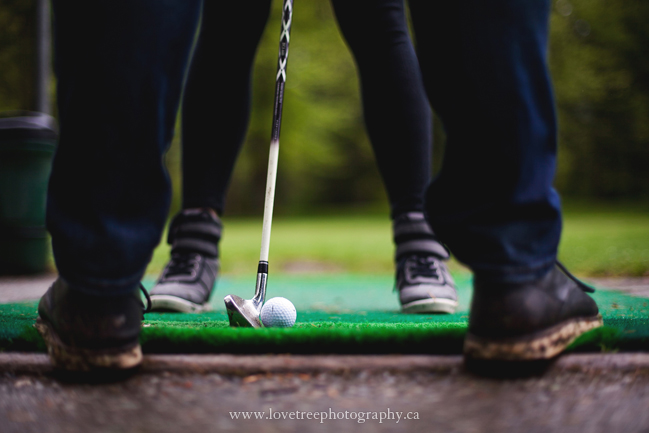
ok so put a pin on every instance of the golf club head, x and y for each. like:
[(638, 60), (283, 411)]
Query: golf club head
[(241, 312)]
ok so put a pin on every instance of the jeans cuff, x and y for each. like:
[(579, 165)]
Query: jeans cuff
[(103, 287), (515, 273)]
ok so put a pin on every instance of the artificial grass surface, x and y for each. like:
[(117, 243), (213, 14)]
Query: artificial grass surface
[(336, 314)]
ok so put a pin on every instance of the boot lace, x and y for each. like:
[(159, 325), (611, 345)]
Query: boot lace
[(583, 286), (147, 308)]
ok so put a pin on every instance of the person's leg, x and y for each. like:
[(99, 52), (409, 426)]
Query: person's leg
[(120, 74), (395, 108), (215, 112), (485, 70), (216, 102), (398, 120)]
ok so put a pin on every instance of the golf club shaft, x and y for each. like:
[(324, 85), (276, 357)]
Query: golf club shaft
[(287, 15)]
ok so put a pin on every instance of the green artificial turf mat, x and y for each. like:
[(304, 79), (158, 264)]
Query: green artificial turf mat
[(336, 314)]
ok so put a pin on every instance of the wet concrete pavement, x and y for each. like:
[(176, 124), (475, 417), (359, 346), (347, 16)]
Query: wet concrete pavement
[(580, 393)]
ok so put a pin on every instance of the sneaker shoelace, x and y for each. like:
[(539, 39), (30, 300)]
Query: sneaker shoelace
[(181, 265), (422, 266)]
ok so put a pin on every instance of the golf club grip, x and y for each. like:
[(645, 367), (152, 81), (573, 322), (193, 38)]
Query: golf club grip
[(280, 82), (280, 79)]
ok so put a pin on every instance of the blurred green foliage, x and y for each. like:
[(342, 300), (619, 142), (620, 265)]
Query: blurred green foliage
[(600, 64), (597, 241), (17, 54), (598, 56)]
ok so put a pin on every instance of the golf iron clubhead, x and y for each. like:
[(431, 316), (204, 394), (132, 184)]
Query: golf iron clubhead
[(244, 313)]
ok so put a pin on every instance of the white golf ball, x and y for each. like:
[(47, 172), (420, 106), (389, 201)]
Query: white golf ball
[(278, 312)]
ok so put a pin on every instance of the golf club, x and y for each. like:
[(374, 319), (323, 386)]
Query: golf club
[(245, 312)]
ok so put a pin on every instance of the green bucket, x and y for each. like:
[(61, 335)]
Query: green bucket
[(27, 144)]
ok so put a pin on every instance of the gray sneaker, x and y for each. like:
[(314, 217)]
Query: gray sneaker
[(188, 279), (423, 280)]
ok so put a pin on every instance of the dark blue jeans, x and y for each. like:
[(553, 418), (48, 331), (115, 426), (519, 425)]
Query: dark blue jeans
[(485, 70), (120, 70)]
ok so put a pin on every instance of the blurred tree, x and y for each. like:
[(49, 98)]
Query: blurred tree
[(601, 71), (17, 54)]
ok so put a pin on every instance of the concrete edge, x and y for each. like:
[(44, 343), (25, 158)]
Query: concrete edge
[(29, 363)]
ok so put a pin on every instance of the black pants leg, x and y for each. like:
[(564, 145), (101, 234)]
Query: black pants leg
[(397, 114), (216, 104)]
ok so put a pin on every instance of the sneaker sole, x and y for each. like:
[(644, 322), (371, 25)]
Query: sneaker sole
[(76, 359), (430, 306), (169, 303), (542, 345)]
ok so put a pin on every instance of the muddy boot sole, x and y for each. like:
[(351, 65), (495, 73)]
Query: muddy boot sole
[(542, 345), (70, 358)]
